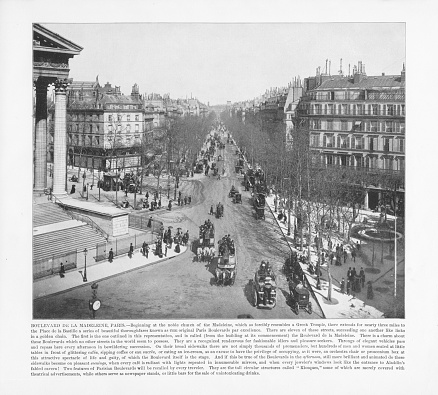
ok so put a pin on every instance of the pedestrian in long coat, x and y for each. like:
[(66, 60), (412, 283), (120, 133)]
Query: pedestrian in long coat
[(131, 250), (143, 248), (211, 210), (362, 277), (348, 287), (345, 255), (332, 256), (349, 273), (353, 254)]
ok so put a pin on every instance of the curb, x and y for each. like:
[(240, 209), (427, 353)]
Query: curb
[(108, 277)]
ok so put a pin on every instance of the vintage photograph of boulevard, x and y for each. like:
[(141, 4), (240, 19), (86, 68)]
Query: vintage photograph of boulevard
[(218, 171)]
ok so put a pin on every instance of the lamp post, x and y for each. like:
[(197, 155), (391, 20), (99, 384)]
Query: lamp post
[(87, 189), (83, 182), (85, 269), (168, 187), (288, 207), (98, 182), (174, 197)]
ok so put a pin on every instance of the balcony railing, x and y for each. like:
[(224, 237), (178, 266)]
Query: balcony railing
[(364, 113), (371, 96)]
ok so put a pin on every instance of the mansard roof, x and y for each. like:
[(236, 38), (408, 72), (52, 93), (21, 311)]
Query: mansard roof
[(367, 82)]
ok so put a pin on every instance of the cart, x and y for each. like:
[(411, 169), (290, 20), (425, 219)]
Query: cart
[(300, 298), (237, 198), (264, 290)]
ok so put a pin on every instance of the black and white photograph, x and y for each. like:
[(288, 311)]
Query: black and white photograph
[(211, 196), (166, 187)]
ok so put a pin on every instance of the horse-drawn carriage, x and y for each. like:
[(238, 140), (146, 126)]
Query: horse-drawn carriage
[(259, 201), (232, 192), (199, 168), (237, 198), (219, 210), (206, 235), (226, 270), (299, 297), (264, 287)]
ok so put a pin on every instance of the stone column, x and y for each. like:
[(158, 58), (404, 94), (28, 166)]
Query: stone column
[(40, 165), (60, 140)]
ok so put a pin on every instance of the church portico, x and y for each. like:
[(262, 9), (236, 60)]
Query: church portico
[(51, 54)]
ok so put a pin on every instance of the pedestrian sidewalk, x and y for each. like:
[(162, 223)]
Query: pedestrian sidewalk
[(97, 271), (341, 305)]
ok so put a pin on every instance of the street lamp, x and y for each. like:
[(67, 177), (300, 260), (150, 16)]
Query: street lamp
[(288, 207), (85, 269), (168, 186), (83, 182), (87, 189)]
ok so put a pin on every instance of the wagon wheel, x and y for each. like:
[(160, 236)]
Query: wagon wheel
[(274, 302), (309, 308), (296, 308)]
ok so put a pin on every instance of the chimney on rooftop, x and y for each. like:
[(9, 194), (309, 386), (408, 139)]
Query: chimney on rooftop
[(359, 73), (403, 74)]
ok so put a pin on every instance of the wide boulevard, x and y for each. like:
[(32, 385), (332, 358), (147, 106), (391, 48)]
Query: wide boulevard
[(181, 287)]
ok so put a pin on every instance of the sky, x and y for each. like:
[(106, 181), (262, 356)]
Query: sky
[(218, 62)]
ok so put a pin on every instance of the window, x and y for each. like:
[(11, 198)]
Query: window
[(389, 109), (97, 128), (330, 141), (345, 109), (402, 109), (396, 127), (96, 140), (388, 163), (314, 140), (77, 127), (373, 126), (90, 140), (318, 109), (402, 127), (375, 109), (119, 128), (70, 140), (137, 117), (344, 125), (400, 164), (119, 118), (136, 127), (128, 128), (339, 109), (110, 128), (128, 118), (386, 144), (330, 159), (360, 143), (317, 124), (343, 142), (399, 145), (329, 124), (110, 118), (331, 110), (91, 128), (389, 126)]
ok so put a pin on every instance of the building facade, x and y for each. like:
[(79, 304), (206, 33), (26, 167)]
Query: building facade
[(357, 121), (104, 127)]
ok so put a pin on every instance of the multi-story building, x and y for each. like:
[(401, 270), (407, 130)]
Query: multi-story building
[(104, 127), (357, 121)]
